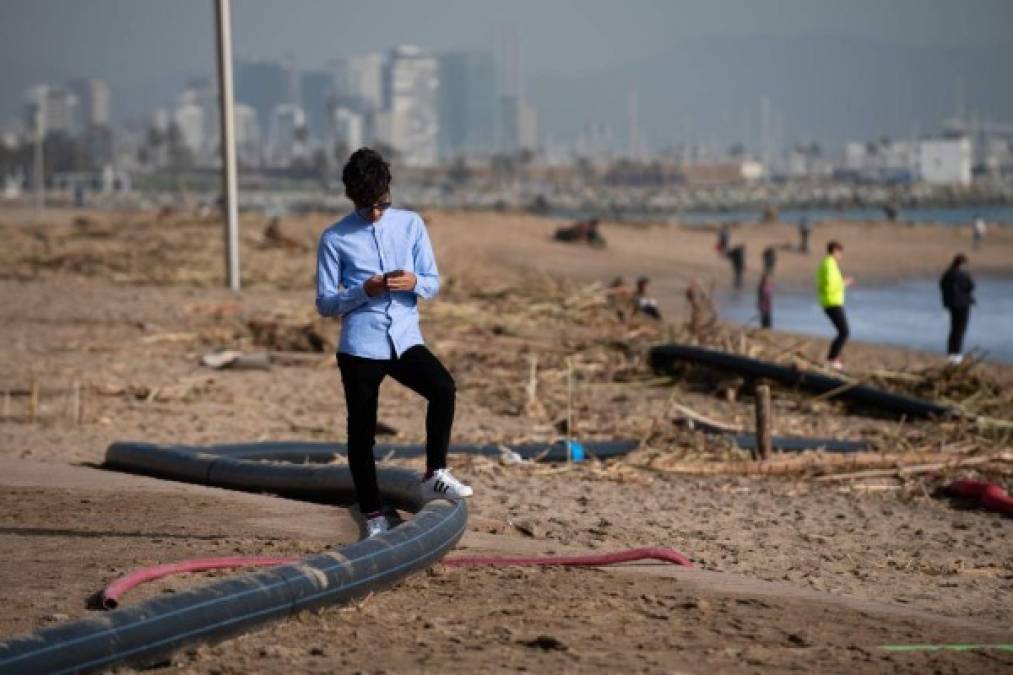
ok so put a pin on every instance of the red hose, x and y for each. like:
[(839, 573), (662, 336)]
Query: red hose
[(592, 560), (110, 596), (991, 495)]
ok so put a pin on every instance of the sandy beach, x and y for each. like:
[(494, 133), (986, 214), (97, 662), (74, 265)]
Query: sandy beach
[(104, 318)]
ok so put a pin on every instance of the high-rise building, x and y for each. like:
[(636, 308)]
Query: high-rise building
[(201, 95), (517, 122), (288, 134), (413, 89), (93, 97), (189, 119), (347, 129), (468, 99), (248, 140), (315, 87), (359, 82), (51, 109), (264, 85)]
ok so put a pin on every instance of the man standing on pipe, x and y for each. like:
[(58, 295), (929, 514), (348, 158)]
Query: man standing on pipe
[(372, 267), (830, 285)]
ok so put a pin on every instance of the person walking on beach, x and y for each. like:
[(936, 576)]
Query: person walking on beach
[(737, 257), (957, 288), (769, 258), (803, 234), (373, 265), (978, 229), (830, 285), (724, 240)]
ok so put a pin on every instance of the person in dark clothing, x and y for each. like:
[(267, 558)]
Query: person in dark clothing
[(957, 288), (769, 259), (737, 256), (765, 299), (724, 240), (803, 234)]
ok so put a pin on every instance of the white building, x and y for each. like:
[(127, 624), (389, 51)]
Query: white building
[(414, 106), (359, 82), (248, 140), (381, 128), (945, 161), (288, 135), (93, 96), (883, 160), (347, 128), (203, 96), (189, 119), (51, 109)]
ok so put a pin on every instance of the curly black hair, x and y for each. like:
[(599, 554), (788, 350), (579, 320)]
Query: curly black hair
[(366, 177)]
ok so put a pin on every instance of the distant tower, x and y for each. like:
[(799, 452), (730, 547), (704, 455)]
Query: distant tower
[(93, 100), (514, 119), (766, 151), (634, 132), (959, 95), (414, 105)]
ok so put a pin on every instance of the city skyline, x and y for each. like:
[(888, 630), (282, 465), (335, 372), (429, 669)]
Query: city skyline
[(692, 89)]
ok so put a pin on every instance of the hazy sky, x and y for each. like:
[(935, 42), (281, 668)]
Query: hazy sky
[(144, 48)]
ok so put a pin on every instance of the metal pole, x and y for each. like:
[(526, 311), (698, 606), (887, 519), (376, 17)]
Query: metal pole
[(223, 16)]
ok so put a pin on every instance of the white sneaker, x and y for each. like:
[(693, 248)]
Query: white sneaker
[(443, 485), (955, 359), (376, 526), (836, 364)]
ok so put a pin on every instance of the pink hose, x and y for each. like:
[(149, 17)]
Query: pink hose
[(991, 495), (110, 596)]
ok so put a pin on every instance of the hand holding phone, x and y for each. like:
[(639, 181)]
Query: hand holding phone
[(400, 280)]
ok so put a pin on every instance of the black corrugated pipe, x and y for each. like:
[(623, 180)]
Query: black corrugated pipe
[(325, 452), (150, 630), (663, 356)]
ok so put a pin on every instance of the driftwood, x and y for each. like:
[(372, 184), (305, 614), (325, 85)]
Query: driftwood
[(821, 463), (695, 418), (918, 468), (234, 360)]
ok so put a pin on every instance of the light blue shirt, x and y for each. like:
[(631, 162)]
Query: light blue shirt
[(351, 251)]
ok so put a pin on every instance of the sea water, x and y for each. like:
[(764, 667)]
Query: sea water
[(909, 314), (992, 214)]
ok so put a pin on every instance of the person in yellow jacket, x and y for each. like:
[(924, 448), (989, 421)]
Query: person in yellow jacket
[(830, 285)]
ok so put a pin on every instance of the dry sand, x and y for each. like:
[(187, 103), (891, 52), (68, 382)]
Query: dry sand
[(791, 574)]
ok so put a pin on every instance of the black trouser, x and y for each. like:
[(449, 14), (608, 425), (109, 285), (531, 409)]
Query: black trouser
[(766, 318), (958, 326), (416, 369), (840, 322)]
